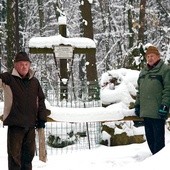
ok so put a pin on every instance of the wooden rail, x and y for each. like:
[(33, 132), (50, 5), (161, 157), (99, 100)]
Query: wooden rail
[(128, 118)]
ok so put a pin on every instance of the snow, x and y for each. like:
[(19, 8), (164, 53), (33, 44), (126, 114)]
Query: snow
[(123, 90), (62, 20), (50, 42), (118, 94), (90, 114), (131, 157)]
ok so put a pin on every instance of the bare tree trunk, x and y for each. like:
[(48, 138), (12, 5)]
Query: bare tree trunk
[(104, 7), (88, 32), (12, 29), (142, 21), (57, 5), (130, 25), (17, 27), (41, 16)]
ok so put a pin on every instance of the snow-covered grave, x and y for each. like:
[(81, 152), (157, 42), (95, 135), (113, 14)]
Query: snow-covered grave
[(117, 96)]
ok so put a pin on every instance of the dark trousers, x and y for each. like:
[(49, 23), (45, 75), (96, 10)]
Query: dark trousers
[(155, 134), (20, 147)]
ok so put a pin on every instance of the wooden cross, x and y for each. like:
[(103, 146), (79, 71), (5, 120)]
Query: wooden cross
[(89, 48)]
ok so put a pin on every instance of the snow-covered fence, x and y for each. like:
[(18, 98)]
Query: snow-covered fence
[(71, 136), (80, 128), (68, 133)]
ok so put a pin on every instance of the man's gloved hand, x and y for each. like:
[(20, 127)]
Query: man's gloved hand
[(163, 111), (40, 124), (137, 110)]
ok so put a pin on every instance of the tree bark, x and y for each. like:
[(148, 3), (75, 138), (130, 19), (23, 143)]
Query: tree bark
[(130, 25), (41, 16), (87, 25), (11, 32), (142, 21)]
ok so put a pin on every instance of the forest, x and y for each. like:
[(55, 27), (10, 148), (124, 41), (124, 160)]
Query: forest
[(119, 28)]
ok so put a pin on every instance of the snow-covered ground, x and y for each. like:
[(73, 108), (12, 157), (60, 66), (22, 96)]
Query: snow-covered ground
[(134, 156)]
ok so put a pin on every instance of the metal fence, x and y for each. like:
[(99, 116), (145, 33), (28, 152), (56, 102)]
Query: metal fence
[(68, 137), (70, 95)]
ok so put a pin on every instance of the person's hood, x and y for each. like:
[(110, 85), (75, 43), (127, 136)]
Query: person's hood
[(30, 72)]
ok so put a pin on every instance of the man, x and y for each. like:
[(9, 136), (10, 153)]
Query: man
[(24, 109), (153, 98)]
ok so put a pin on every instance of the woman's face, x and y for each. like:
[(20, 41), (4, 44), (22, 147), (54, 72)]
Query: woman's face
[(22, 67)]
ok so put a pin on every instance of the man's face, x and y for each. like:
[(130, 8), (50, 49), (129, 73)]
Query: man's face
[(22, 67), (152, 59)]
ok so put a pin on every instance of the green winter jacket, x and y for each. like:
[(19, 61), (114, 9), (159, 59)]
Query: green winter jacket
[(153, 90)]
